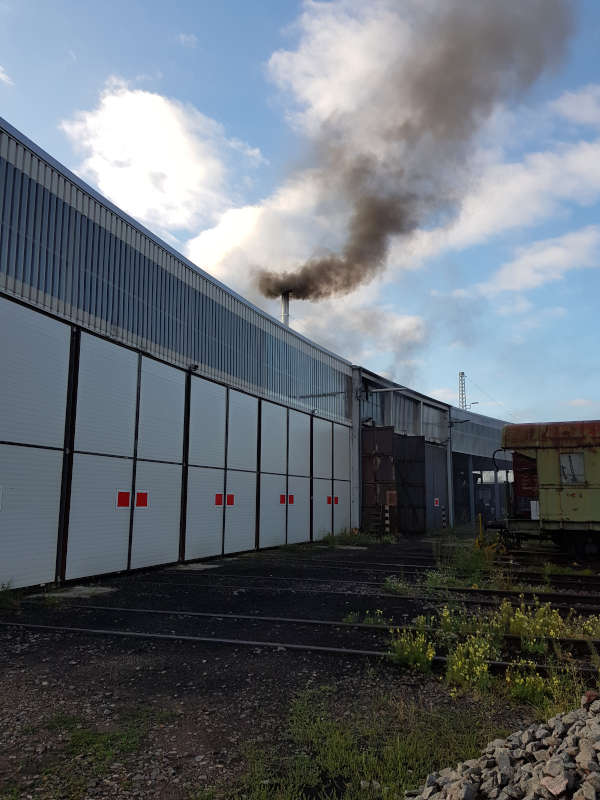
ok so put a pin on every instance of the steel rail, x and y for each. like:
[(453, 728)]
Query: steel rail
[(494, 664)]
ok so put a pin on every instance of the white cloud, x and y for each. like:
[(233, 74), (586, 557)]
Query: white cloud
[(581, 107), (162, 161), (187, 39), (546, 261), (580, 402), (519, 305), (5, 77)]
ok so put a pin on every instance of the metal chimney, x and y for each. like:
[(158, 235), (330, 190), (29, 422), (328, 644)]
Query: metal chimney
[(285, 309)]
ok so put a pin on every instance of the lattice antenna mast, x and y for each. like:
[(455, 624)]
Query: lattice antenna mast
[(462, 392)]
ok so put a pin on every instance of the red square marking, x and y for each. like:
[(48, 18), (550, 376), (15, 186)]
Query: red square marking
[(291, 499), (141, 499), (281, 499), (123, 498), (218, 499), (335, 500), (328, 501), (230, 499)]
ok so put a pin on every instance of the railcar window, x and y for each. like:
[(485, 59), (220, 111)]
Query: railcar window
[(571, 468)]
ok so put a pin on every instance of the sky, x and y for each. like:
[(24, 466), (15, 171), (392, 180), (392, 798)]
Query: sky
[(205, 121)]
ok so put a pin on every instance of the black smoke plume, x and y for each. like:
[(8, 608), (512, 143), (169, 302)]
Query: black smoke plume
[(468, 57)]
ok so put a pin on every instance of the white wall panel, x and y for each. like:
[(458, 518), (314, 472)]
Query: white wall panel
[(34, 366), (156, 528), (29, 504), (299, 444), (298, 528), (204, 529), (240, 518), (207, 423), (322, 505), (272, 511), (106, 397), (321, 448), (341, 509), (98, 531), (162, 400), (273, 434), (243, 423), (341, 452)]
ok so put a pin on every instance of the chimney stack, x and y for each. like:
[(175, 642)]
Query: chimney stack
[(285, 309)]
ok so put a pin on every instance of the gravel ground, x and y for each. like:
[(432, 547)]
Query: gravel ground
[(101, 717)]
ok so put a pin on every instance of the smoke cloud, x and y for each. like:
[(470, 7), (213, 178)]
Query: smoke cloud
[(400, 157)]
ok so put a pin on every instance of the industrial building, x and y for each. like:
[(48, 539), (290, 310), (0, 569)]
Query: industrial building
[(150, 415)]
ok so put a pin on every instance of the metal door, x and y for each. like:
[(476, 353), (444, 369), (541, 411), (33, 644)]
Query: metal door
[(341, 506), (162, 399), (273, 502), (99, 518), (298, 519), (273, 437), (157, 514), (30, 481), (242, 431), (240, 511), (207, 423), (322, 448), (299, 443), (341, 452), (322, 508), (205, 507)]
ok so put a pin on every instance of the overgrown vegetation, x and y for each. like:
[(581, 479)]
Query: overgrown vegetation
[(375, 618), (357, 538), (388, 751), (9, 598), (412, 649)]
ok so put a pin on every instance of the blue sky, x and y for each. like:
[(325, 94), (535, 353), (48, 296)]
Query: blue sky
[(198, 119)]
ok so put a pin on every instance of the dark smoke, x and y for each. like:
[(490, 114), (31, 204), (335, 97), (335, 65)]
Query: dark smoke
[(469, 56)]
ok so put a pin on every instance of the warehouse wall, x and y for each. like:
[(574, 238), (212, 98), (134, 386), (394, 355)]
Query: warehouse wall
[(111, 460)]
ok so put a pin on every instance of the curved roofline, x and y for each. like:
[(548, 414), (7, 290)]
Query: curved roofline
[(71, 176)]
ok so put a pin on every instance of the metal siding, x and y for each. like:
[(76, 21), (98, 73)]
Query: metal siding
[(207, 423), (273, 448), (30, 480), (321, 448), (98, 531), (156, 528), (341, 452), (34, 365), (299, 444), (106, 397), (242, 431), (272, 511), (341, 510), (162, 400), (298, 526), (204, 530), (321, 508), (240, 519)]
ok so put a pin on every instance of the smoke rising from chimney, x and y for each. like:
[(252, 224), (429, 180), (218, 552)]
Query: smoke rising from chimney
[(417, 128)]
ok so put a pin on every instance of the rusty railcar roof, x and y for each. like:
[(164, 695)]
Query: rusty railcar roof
[(552, 434)]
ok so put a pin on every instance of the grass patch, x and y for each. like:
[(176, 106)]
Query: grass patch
[(356, 538), (10, 599), (375, 618), (390, 750), (412, 649), (563, 569)]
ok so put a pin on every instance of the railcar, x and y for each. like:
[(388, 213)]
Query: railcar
[(556, 487)]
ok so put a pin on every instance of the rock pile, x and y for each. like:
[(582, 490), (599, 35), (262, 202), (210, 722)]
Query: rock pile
[(554, 761)]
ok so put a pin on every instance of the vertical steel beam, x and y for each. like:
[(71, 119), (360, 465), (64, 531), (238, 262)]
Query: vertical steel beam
[(68, 447), (185, 465), (471, 489), (135, 452), (258, 469), (355, 450)]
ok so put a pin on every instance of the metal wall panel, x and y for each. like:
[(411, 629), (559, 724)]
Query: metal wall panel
[(67, 250), (341, 509), (30, 481), (156, 528), (299, 444), (162, 400), (298, 527), (322, 505), (273, 448), (240, 518), (204, 529), (321, 448), (106, 397), (242, 431), (98, 530), (341, 452), (272, 510), (34, 366), (207, 423)]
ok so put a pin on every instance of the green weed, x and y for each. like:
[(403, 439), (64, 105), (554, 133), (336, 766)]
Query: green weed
[(412, 649), (10, 599)]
